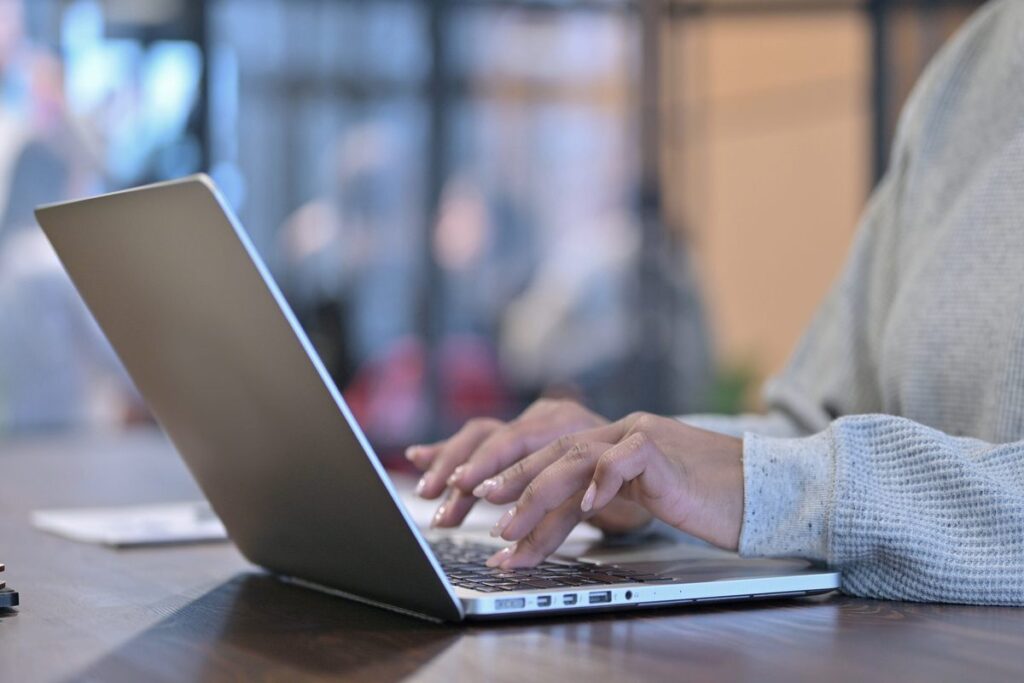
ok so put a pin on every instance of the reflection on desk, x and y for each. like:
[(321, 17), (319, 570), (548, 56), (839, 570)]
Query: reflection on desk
[(203, 613)]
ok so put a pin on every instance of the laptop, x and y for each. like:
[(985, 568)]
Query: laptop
[(206, 335)]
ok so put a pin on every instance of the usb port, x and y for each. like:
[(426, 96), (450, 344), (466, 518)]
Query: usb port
[(600, 596), (543, 601), (569, 599), (510, 603)]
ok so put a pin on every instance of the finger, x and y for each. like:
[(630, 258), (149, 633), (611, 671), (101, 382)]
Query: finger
[(451, 512), (508, 485), (634, 458), (454, 453), (564, 479), (505, 446), (501, 448), (536, 427), (421, 455), (543, 540), (620, 516)]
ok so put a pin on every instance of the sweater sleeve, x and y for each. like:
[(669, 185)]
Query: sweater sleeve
[(902, 510)]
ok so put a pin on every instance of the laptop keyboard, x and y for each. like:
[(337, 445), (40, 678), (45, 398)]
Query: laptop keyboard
[(463, 562)]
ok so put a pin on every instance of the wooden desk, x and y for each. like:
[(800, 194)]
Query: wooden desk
[(203, 613)]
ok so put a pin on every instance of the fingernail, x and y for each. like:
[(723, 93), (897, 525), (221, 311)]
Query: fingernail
[(588, 497), (411, 452), (500, 556), (503, 522), (422, 484), (438, 515), (486, 486), (455, 475)]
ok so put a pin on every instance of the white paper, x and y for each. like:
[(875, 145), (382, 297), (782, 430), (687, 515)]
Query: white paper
[(134, 525)]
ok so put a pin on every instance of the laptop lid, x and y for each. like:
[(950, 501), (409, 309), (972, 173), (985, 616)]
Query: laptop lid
[(212, 346)]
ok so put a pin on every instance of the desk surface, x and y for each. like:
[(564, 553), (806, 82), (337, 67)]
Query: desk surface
[(203, 613)]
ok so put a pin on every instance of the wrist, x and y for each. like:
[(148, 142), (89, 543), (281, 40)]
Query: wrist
[(788, 486)]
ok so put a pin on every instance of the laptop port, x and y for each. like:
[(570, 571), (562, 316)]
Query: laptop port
[(543, 601), (510, 603), (600, 596), (569, 599)]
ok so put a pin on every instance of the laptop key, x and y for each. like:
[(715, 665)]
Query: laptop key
[(465, 566)]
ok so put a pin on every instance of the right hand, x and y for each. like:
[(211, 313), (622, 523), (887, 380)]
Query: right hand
[(486, 446)]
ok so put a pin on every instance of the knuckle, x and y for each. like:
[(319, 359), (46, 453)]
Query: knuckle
[(637, 441), (481, 423), (529, 495), (565, 443), (643, 422), (512, 431), (515, 471), (495, 439), (577, 408), (543, 404), (605, 465), (578, 454)]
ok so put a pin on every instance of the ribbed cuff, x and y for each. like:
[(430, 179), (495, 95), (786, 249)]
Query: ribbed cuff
[(788, 485)]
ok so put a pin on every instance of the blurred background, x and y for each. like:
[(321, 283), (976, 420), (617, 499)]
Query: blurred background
[(469, 203)]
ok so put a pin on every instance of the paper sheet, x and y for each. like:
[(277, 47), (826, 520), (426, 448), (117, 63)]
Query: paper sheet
[(121, 526)]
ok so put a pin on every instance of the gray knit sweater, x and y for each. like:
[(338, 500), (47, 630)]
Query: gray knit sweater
[(894, 444)]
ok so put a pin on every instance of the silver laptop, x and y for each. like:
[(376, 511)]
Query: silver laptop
[(213, 347)]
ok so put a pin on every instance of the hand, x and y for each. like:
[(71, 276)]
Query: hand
[(485, 447), (687, 477)]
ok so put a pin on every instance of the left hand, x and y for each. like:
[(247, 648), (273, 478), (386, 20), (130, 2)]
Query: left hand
[(687, 477)]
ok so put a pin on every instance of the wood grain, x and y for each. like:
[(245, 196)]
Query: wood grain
[(202, 613)]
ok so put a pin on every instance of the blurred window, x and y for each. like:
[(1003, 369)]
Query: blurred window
[(456, 194)]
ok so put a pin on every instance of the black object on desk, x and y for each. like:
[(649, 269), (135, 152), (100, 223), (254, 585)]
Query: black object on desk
[(8, 596)]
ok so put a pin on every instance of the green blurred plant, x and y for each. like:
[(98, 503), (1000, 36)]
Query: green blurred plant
[(732, 389)]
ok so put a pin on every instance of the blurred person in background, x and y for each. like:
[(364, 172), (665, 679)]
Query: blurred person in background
[(573, 331), (486, 253), (352, 266), (517, 316), (892, 446), (56, 369), (578, 328)]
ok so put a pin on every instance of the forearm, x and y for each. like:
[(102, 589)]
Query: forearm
[(904, 511)]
